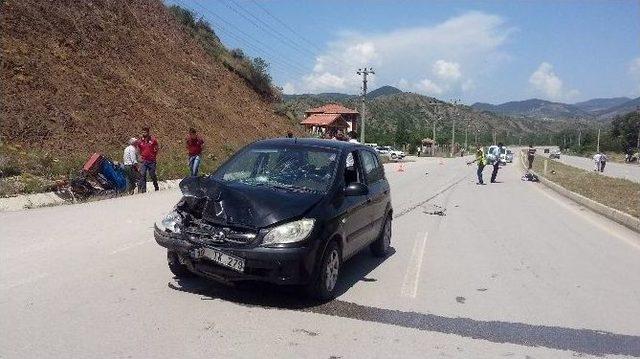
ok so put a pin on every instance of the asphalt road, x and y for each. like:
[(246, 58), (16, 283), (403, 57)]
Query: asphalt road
[(611, 169), (510, 270)]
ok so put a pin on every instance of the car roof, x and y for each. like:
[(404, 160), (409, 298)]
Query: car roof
[(311, 142)]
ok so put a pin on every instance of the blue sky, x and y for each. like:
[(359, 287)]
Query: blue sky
[(487, 51)]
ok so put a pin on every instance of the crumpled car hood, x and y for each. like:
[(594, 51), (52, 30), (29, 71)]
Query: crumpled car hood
[(245, 206)]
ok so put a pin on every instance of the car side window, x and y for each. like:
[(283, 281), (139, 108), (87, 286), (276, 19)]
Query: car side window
[(371, 167), (352, 174)]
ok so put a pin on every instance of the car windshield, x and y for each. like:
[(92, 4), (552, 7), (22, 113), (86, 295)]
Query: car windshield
[(290, 168)]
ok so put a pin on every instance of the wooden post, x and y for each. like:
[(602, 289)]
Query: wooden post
[(546, 162)]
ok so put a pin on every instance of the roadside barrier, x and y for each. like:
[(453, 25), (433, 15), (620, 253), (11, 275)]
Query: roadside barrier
[(613, 214)]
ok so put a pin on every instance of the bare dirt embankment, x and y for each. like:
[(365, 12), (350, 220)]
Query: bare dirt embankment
[(84, 76)]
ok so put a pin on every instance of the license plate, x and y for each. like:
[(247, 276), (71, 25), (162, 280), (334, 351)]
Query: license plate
[(221, 258)]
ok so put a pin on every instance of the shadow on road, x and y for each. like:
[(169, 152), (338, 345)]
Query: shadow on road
[(283, 297)]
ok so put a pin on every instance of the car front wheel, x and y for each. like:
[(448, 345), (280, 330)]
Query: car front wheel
[(324, 285), (382, 244)]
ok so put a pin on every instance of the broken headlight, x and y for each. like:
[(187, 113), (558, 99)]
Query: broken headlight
[(291, 232), (170, 222)]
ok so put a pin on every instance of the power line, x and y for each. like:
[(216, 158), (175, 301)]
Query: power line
[(265, 26), (284, 65), (251, 40), (285, 25)]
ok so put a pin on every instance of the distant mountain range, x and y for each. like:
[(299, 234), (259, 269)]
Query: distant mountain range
[(395, 116), (595, 109)]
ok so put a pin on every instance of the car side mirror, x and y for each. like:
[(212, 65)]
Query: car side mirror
[(356, 189)]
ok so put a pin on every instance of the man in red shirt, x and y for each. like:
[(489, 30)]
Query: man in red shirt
[(148, 147), (194, 149)]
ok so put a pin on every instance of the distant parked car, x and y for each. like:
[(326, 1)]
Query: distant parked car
[(555, 154), (508, 156), (546, 150), (388, 151)]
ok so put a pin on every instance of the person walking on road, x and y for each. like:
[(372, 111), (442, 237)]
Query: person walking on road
[(148, 146), (603, 161), (130, 162), (482, 161), (194, 149), (531, 155), (596, 161), (496, 161)]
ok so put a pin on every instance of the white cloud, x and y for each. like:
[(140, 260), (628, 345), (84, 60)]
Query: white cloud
[(471, 42), (447, 70), (548, 83), (288, 88), (403, 84), (429, 87), (468, 85), (324, 81)]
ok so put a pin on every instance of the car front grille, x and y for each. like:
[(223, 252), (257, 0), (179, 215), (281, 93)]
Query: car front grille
[(207, 234)]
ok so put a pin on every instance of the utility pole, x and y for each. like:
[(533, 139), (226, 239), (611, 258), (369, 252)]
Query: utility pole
[(579, 137), (466, 130), (598, 146), (453, 127), (364, 72)]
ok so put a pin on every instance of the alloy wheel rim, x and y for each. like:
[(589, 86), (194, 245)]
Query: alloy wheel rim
[(332, 269)]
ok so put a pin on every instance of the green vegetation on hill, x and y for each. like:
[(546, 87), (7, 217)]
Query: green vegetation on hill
[(406, 118), (253, 71)]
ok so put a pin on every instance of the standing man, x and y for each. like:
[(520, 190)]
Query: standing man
[(130, 162), (481, 160), (194, 148), (596, 161), (603, 161), (531, 155), (148, 147), (496, 164)]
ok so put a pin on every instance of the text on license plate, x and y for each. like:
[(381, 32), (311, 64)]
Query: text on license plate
[(222, 258)]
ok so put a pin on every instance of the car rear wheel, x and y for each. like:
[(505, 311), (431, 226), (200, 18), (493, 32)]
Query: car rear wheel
[(382, 244), (177, 268), (394, 156), (324, 285)]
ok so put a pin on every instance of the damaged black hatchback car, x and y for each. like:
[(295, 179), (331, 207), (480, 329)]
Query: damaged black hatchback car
[(285, 211)]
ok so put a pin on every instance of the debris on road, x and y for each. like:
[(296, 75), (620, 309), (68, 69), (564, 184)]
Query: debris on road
[(437, 211)]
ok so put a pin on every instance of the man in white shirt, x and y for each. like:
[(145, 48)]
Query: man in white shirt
[(596, 161), (496, 163), (130, 162)]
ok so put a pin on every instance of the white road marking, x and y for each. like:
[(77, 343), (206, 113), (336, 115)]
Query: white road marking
[(129, 246), (412, 275)]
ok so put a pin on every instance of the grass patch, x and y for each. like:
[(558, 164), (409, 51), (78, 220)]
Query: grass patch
[(621, 194)]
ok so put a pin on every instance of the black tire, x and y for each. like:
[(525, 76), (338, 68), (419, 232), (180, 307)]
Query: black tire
[(382, 244), (323, 287), (394, 156), (177, 268)]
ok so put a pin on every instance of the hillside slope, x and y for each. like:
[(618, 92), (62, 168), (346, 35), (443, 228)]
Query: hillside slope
[(80, 77)]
